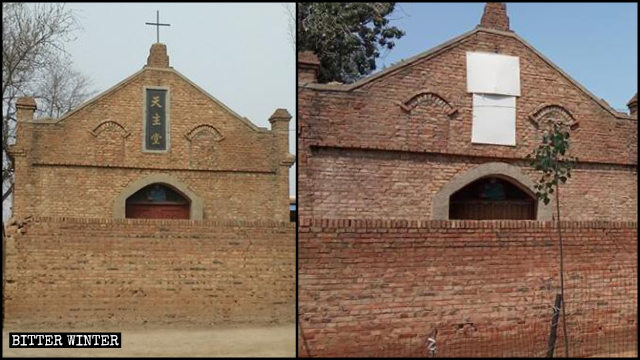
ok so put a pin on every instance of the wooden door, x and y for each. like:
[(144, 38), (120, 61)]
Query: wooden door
[(157, 211)]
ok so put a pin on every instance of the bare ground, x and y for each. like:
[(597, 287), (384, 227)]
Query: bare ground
[(245, 341), (626, 354)]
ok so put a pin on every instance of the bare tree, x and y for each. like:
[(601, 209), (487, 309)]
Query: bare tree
[(35, 63), (290, 10), (60, 90)]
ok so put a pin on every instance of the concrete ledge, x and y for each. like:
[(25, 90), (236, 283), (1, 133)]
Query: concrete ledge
[(176, 223), (333, 224)]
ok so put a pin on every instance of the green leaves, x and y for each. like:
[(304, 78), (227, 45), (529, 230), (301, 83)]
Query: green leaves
[(550, 158), (347, 37)]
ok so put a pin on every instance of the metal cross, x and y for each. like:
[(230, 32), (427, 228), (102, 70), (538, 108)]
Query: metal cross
[(157, 24)]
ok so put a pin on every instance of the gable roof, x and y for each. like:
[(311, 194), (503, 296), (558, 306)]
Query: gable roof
[(135, 75), (452, 43)]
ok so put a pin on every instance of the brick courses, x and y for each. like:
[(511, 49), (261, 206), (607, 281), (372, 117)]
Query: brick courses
[(399, 185), (384, 145), (365, 284), (76, 264), (374, 268), (76, 166), (114, 273)]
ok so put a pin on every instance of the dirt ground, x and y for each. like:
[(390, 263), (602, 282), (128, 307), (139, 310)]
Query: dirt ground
[(628, 354), (274, 341)]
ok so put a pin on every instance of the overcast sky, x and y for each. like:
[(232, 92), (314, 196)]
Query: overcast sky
[(242, 54), (595, 43)]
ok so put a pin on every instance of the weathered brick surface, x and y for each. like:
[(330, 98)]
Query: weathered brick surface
[(383, 146), (364, 285), (98, 272), (399, 185), (495, 17), (76, 166), (227, 195)]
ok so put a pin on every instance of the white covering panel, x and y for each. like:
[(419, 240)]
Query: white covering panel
[(494, 100), (494, 120), (493, 74)]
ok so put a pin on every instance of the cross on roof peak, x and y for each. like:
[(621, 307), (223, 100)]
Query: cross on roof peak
[(157, 24)]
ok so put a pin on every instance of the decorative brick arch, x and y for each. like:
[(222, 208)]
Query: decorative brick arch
[(119, 205), (513, 174), (546, 112), (204, 128), (428, 98), (109, 124)]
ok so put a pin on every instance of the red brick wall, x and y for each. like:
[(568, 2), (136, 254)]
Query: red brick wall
[(114, 273), (395, 185), (365, 285), (390, 162)]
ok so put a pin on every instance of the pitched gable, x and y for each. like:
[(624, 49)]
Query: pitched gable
[(201, 131), (447, 46), (375, 107)]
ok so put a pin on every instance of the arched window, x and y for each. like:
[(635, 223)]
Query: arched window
[(492, 197), (157, 201)]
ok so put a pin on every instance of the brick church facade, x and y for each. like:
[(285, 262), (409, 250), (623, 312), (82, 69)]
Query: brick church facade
[(396, 169), (400, 144), (152, 203), (90, 162)]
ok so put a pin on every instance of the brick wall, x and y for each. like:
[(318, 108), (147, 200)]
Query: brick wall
[(400, 185), (99, 146), (111, 273), (226, 195), (364, 147), (365, 285)]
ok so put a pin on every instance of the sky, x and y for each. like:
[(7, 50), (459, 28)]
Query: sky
[(594, 43), (242, 54)]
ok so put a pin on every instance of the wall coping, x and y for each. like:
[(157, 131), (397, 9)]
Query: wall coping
[(164, 168), (175, 222), (358, 145), (346, 223)]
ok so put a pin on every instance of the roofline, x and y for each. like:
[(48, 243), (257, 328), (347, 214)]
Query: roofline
[(145, 68), (99, 96), (241, 118), (573, 81), (392, 69), (436, 50)]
